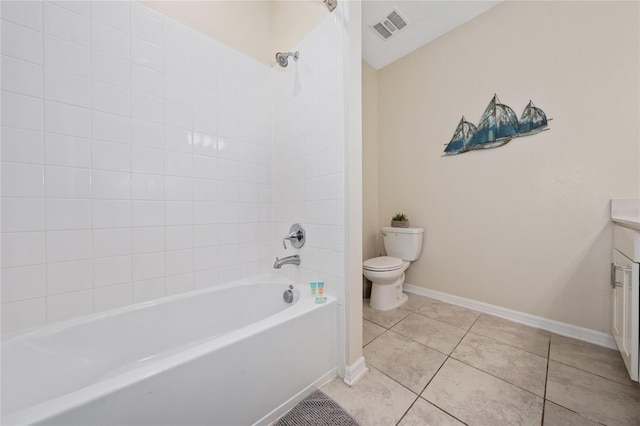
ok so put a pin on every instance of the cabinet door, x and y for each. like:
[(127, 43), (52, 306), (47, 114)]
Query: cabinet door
[(624, 321)]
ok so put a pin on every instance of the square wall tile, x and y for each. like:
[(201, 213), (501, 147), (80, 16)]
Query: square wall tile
[(69, 151), (147, 186), (22, 180), (179, 283), (112, 185), (22, 248), (24, 112), (21, 42), (21, 77), (67, 277), (22, 214), (146, 266), (23, 314), (112, 270), (21, 283), (111, 13), (148, 290), (68, 245), (67, 182), (69, 305), (148, 213), (110, 156), (109, 41), (67, 119), (22, 146), (111, 242), (68, 214), (107, 69), (111, 213), (112, 297), (110, 127), (26, 13), (65, 56), (66, 25)]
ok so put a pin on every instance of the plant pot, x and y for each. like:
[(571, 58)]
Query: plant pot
[(400, 223)]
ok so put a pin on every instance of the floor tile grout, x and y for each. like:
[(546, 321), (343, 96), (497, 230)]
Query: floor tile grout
[(452, 325), (499, 378), (546, 403), (631, 385), (546, 381), (573, 411), (449, 355), (441, 409)]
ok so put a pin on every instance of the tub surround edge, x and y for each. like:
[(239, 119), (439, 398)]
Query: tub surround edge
[(284, 408), (354, 372)]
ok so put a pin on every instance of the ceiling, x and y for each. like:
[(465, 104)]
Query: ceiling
[(427, 20)]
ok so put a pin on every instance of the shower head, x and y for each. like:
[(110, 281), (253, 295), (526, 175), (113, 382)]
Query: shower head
[(283, 58), (331, 4)]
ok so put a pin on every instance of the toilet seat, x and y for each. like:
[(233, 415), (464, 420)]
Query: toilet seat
[(383, 264)]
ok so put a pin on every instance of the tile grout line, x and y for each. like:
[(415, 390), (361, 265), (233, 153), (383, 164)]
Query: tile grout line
[(492, 375), (469, 330), (546, 381), (442, 365), (592, 373), (429, 402), (450, 357), (506, 343), (408, 409), (496, 377), (44, 177)]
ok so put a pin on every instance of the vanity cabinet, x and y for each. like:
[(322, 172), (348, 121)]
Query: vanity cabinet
[(625, 296)]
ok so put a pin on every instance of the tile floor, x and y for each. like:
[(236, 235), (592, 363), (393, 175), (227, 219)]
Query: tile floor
[(432, 363)]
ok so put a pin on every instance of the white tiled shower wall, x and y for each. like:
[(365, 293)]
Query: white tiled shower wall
[(136, 161), (308, 156)]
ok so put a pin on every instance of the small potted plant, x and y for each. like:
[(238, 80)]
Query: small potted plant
[(400, 221)]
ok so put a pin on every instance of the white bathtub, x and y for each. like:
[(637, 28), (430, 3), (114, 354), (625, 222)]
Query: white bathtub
[(233, 355)]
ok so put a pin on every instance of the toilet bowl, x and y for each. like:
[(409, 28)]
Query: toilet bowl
[(386, 274)]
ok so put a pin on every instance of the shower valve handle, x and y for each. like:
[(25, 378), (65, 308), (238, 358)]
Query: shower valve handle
[(296, 236)]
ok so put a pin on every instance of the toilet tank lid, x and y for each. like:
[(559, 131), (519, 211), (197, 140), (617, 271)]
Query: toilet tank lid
[(402, 230)]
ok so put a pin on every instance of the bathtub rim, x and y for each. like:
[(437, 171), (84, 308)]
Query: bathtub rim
[(63, 403), (95, 316)]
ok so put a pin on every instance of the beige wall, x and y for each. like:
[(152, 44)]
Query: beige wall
[(292, 20), (256, 28), (524, 226), (372, 245)]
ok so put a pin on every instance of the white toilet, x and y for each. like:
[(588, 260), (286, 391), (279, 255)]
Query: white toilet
[(403, 245)]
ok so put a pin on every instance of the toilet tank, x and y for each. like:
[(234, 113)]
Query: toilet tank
[(404, 243)]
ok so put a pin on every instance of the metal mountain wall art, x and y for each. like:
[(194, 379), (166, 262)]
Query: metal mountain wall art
[(498, 125)]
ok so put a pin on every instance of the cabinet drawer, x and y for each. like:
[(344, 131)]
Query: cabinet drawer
[(627, 242)]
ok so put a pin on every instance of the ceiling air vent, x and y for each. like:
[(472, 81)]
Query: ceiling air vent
[(390, 25)]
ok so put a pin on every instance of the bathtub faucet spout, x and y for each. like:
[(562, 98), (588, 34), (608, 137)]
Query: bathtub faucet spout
[(289, 260)]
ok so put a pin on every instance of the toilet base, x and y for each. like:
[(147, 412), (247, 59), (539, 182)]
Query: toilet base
[(385, 297)]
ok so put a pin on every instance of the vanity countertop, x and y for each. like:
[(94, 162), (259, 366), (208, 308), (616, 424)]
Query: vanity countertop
[(626, 212)]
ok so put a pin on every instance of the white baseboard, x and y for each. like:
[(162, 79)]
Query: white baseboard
[(284, 408), (585, 334), (354, 372)]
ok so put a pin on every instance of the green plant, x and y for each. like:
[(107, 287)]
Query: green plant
[(400, 217)]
